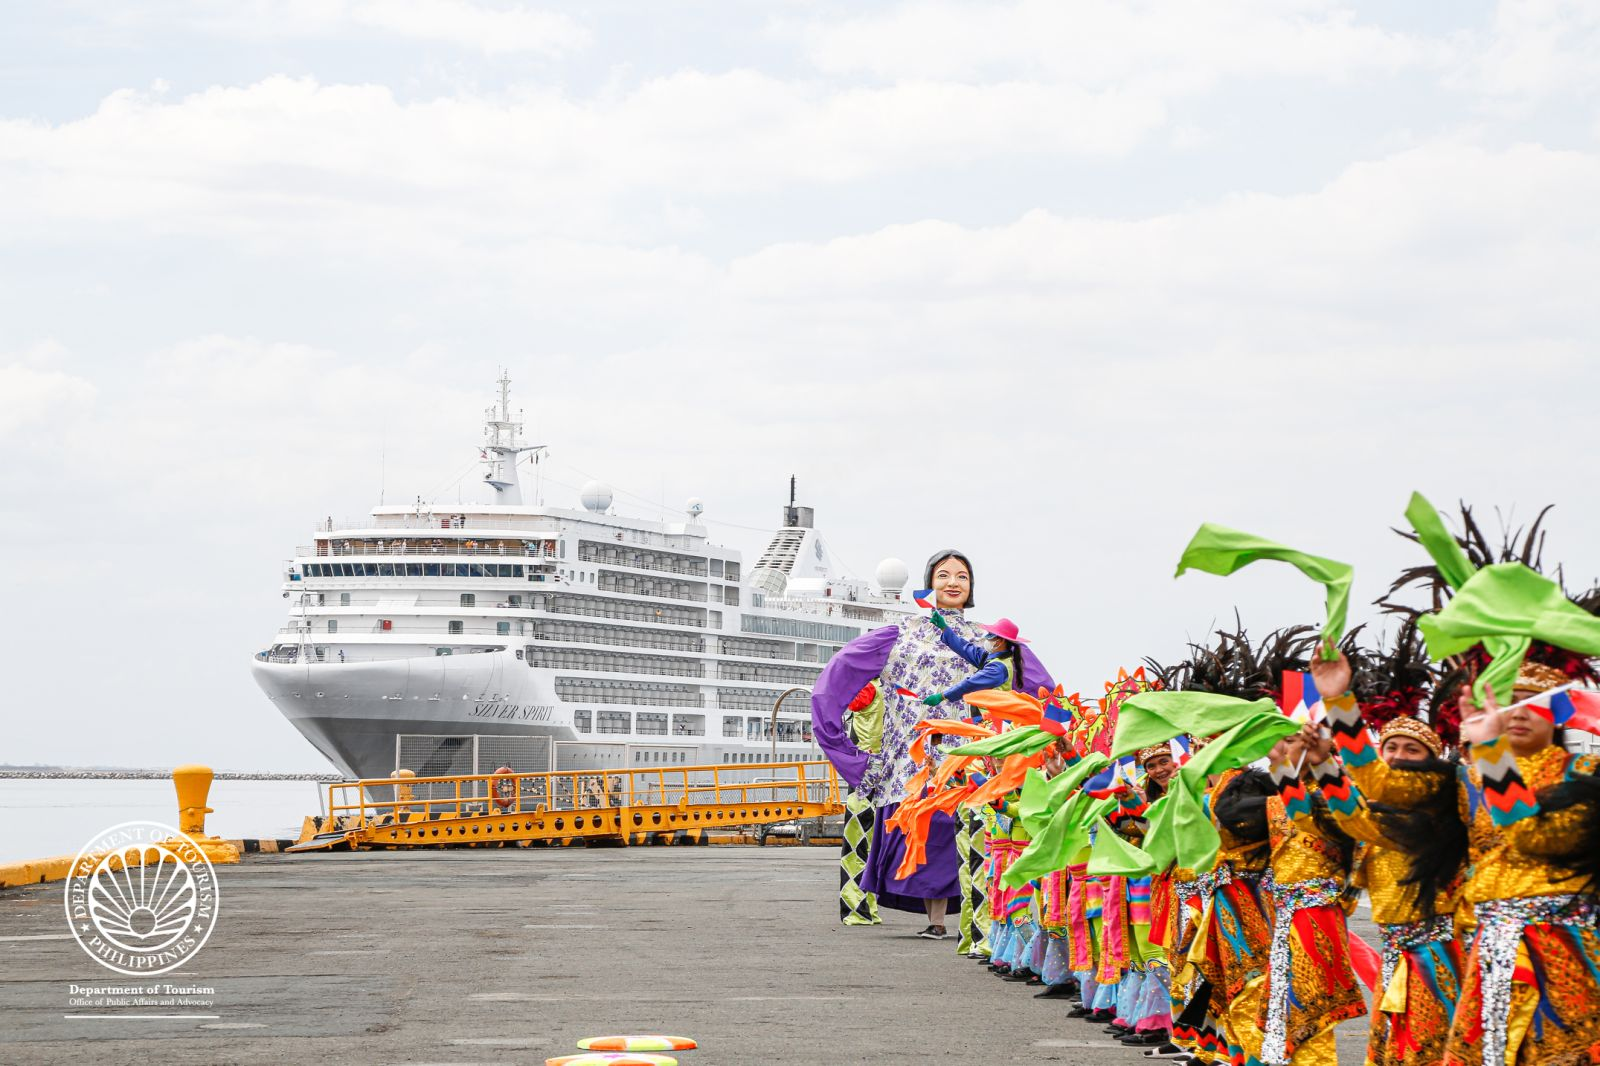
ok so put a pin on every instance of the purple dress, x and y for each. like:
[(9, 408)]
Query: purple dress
[(907, 655)]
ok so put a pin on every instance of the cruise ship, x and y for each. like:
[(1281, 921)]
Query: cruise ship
[(460, 640)]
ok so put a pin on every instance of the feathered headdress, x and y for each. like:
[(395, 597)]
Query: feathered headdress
[(1396, 680), (1523, 544), (1236, 667)]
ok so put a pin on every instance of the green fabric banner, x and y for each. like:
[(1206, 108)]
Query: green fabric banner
[(1179, 829), (1066, 835), (1158, 843), (1222, 551), (1110, 855), (1046, 796), (1508, 600), (1239, 746), (1505, 653), (1453, 564), (1149, 718), (1024, 740)]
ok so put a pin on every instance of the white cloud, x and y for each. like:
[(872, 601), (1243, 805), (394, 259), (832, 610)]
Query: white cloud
[(1171, 44), (489, 28), (286, 156), (1536, 49), (34, 392)]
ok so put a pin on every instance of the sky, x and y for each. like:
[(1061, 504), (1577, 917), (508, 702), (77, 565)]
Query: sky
[(1052, 281)]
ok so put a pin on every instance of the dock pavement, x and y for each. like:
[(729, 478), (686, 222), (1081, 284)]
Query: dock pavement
[(512, 955)]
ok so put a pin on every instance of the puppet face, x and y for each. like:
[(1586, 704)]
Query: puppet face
[(1403, 749), (952, 583)]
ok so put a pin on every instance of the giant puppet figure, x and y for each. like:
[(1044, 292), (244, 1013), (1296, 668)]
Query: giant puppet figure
[(911, 661)]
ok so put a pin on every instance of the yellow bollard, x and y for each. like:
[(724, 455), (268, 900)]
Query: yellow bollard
[(403, 794), (193, 785)]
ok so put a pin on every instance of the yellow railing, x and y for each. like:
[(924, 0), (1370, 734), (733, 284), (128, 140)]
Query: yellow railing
[(781, 785)]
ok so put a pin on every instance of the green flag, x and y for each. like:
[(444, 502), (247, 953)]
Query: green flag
[(1453, 564), (1505, 653), (1041, 798), (1159, 844), (1024, 740), (1189, 831), (1111, 855), (1179, 829), (1222, 551), (1149, 718), (1239, 746), (1508, 600), (1064, 837)]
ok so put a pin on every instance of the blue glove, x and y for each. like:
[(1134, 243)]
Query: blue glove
[(934, 700)]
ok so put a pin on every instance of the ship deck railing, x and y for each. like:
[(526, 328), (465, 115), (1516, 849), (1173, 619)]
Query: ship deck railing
[(420, 547)]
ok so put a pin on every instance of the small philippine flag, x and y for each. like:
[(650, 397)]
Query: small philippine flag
[(1570, 707), (1057, 718), (924, 597), (1180, 748), (1300, 700), (1110, 781)]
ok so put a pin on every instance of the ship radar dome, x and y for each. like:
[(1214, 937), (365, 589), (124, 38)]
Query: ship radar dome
[(596, 496), (892, 576), (696, 507)]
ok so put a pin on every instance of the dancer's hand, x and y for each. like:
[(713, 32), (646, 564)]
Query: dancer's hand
[(1318, 745), (934, 700), (1332, 676), (938, 619), (1287, 751), (1479, 725)]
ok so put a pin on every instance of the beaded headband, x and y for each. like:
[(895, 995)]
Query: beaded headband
[(1537, 677), (1417, 730)]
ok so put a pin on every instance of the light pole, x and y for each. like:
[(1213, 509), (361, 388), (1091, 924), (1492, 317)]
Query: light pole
[(785, 694)]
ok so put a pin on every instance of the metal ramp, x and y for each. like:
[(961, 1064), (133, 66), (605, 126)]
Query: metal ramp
[(563, 807)]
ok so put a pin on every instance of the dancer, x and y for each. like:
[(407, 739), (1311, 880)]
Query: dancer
[(1413, 871), (1531, 985), (1311, 985)]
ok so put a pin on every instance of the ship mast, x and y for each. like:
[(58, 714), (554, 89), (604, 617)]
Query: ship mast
[(501, 448)]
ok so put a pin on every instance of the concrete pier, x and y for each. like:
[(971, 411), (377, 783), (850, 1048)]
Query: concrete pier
[(512, 955)]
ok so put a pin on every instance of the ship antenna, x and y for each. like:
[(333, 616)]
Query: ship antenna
[(502, 447)]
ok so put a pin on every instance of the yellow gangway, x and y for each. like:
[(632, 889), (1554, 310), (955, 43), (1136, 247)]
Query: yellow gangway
[(610, 806)]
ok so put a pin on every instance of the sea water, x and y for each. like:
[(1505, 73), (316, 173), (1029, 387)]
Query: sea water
[(57, 816)]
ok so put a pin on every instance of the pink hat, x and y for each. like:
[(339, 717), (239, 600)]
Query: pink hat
[(1006, 629)]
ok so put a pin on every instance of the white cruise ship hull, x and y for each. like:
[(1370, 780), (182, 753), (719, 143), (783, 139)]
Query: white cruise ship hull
[(371, 718)]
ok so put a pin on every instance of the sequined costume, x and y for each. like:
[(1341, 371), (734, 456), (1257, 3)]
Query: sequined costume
[(1421, 977), (1531, 980), (1233, 940), (1310, 986), (1195, 1027)]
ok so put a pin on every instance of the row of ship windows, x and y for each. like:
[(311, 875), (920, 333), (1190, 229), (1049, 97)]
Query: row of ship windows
[(419, 570), (643, 757)]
